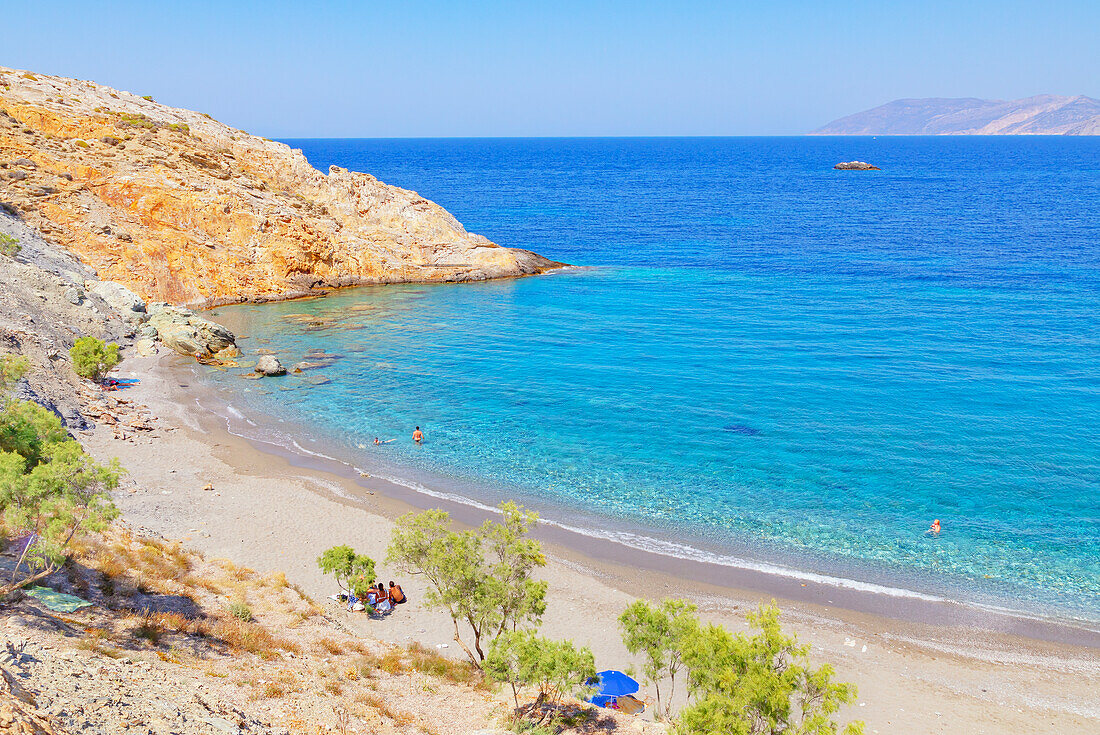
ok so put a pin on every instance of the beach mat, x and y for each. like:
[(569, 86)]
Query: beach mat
[(57, 601)]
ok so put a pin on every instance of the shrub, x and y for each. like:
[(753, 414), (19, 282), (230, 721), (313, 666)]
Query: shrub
[(92, 359), (148, 98), (241, 611), (82, 143), (9, 245)]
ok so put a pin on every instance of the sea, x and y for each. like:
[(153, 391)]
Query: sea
[(755, 359)]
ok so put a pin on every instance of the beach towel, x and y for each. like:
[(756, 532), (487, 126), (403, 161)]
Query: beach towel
[(57, 601)]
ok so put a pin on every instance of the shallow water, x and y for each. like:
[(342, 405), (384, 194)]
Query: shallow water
[(768, 358)]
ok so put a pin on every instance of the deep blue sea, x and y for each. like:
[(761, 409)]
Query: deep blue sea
[(766, 360)]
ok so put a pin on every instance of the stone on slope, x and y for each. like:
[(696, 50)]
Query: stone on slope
[(125, 302)]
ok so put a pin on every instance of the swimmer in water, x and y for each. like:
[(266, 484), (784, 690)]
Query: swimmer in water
[(418, 436), (934, 529), (377, 441)]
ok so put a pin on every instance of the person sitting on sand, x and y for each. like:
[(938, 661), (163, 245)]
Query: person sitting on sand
[(935, 528), (384, 604), (418, 436), (371, 596), (397, 595)]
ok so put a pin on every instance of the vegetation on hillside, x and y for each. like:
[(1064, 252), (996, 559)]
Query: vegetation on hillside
[(50, 490)]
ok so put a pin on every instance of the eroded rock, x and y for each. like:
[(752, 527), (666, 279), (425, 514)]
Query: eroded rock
[(188, 333)]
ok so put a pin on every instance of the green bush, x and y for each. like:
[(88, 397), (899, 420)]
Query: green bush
[(9, 245), (240, 611), (92, 359)]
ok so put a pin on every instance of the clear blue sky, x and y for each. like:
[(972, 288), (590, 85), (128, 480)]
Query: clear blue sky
[(410, 68)]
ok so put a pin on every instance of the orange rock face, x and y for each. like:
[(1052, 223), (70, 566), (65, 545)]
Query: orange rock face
[(181, 208)]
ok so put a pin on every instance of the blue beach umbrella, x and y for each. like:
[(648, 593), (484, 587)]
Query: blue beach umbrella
[(609, 685)]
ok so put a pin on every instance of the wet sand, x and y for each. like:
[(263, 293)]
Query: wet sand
[(922, 665)]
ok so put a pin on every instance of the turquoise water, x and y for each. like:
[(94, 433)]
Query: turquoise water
[(767, 358)]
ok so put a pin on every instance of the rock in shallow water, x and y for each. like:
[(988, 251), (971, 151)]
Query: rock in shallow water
[(270, 365)]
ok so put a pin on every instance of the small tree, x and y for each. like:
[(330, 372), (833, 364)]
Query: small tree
[(660, 633), (482, 578), (760, 684), (353, 572), (520, 658), (50, 490), (92, 359), (66, 493)]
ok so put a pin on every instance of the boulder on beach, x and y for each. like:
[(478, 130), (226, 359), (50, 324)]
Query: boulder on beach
[(269, 365), (188, 333), (856, 166)]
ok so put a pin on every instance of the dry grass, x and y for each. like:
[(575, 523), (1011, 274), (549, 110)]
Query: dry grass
[(331, 646)]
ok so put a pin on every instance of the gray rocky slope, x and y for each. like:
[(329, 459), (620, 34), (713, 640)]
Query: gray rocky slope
[(1046, 114)]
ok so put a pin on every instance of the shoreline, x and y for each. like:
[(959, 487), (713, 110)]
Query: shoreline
[(272, 509), (630, 549)]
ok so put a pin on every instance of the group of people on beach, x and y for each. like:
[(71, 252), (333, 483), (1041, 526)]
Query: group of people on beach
[(378, 598)]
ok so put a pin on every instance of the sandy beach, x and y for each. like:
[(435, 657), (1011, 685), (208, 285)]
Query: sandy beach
[(919, 669)]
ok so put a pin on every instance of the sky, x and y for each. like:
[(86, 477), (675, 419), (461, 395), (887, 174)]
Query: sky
[(411, 68)]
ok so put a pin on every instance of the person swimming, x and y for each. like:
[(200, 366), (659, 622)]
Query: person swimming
[(934, 529), (418, 436)]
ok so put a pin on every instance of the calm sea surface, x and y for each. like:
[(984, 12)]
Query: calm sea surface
[(768, 359)]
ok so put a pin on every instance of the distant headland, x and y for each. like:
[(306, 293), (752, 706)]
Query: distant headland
[(1045, 114)]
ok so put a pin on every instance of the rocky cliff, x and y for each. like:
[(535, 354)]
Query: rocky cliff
[(1045, 114), (181, 208)]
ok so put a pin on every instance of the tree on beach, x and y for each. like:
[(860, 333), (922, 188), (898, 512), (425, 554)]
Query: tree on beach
[(354, 572), (759, 684), (660, 633), (520, 658), (481, 577)]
